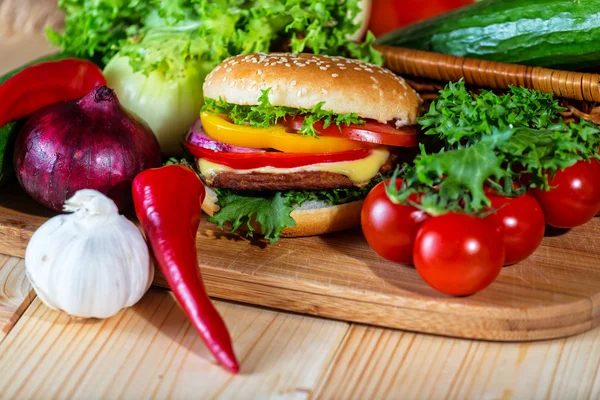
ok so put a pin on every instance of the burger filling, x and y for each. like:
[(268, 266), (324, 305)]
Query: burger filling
[(264, 161)]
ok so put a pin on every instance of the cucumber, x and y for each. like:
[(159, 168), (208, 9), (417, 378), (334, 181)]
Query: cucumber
[(562, 34)]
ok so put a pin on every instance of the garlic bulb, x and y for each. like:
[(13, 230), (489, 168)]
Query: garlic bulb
[(91, 263)]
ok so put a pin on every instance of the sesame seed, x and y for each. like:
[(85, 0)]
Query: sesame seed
[(323, 68), (292, 83), (228, 70), (287, 65), (218, 67), (208, 83), (299, 93), (259, 72), (342, 68), (357, 69), (301, 65), (334, 75), (324, 91), (224, 78), (232, 84)]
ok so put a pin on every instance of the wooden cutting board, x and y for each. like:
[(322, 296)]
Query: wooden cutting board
[(555, 293)]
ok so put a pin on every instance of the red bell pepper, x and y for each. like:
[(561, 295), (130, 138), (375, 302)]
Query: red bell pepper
[(273, 159), (167, 203), (40, 85)]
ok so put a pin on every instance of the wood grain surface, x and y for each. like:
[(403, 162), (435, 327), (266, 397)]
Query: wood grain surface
[(375, 363), (555, 293), (15, 292), (150, 351)]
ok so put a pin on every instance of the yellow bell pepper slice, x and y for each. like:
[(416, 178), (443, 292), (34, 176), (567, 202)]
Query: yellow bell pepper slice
[(275, 137)]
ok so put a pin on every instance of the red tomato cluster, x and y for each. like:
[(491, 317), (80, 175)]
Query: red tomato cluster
[(460, 254)]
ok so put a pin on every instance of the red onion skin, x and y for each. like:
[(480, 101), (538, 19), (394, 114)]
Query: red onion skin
[(91, 143)]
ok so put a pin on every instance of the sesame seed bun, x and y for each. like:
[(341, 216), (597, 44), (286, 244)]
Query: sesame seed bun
[(304, 80), (312, 219)]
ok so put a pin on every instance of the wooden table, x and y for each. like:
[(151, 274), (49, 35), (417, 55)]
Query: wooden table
[(150, 350)]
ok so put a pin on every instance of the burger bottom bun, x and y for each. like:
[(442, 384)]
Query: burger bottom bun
[(312, 221)]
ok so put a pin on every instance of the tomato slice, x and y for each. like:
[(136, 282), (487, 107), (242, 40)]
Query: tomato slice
[(370, 132), (273, 159)]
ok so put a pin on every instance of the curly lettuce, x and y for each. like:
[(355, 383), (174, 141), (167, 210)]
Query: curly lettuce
[(211, 30), (264, 114)]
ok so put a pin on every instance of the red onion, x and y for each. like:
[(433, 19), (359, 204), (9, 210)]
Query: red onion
[(91, 143), (198, 137)]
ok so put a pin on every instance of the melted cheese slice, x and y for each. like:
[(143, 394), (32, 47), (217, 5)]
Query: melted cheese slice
[(358, 171)]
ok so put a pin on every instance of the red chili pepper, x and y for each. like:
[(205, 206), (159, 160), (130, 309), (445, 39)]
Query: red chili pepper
[(40, 85), (273, 159), (167, 203)]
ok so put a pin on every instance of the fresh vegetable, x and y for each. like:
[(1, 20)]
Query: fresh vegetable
[(496, 140), (91, 143), (521, 222), (168, 102), (548, 33), (91, 263), (41, 85), (265, 115), (485, 152), (458, 254), (26, 89), (368, 132), (197, 137), (248, 160), (170, 217), (389, 15), (389, 228), (575, 195), (210, 31), (275, 137), (47, 58), (157, 54)]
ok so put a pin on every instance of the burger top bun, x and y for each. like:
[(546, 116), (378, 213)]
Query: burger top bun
[(304, 80)]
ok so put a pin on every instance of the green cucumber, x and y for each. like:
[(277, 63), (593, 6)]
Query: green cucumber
[(562, 34)]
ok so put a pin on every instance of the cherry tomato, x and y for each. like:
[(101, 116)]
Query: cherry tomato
[(389, 228), (458, 254), (370, 132), (575, 198), (521, 222), (389, 15)]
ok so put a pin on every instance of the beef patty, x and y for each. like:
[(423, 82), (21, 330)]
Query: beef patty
[(293, 181)]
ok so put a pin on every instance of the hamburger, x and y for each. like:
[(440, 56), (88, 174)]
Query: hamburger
[(290, 144)]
